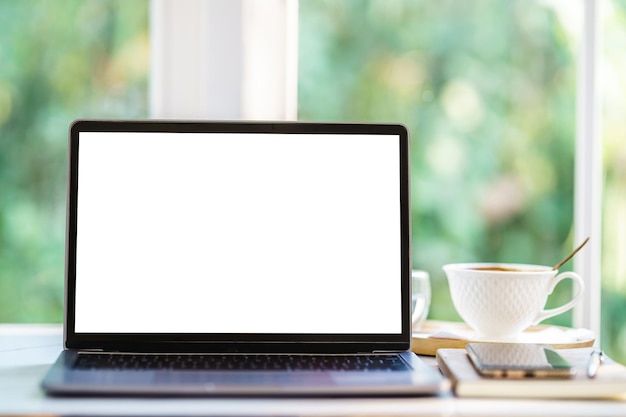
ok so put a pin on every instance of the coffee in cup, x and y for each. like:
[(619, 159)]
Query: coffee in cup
[(499, 301)]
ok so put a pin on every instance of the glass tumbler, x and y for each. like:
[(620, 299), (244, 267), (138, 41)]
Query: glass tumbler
[(420, 298)]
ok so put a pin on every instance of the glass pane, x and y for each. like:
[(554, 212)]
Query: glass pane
[(488, 91), (61, 60), (613, 79)]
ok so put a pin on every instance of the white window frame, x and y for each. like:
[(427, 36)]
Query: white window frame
[(588, 174), (238, 59), (223, 59)]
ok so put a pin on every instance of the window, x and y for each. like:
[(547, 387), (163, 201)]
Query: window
[(488, 89)]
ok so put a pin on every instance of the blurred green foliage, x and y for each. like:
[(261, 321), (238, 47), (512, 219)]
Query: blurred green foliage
[(613, 82), (487, 89), (59, 60)]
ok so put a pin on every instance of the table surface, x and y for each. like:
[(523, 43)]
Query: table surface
[(27, 351)]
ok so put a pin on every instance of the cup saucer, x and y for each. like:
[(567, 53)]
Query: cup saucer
[(436, 334)]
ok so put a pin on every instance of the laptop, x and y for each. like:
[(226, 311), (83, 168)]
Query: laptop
[(238, 258)]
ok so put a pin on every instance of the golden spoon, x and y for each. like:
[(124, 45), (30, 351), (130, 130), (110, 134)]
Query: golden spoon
[(568, 257)]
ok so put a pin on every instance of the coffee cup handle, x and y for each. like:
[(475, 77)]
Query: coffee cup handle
[(578, 292)]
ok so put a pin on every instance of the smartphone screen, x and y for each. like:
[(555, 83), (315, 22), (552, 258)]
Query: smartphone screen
[(518, 360)]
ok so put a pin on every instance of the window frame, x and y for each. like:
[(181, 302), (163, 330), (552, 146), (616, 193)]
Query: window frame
[(236, 36), (588, 171)]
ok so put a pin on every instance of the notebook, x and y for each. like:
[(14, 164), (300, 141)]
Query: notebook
[(609, 383), (213, 243)]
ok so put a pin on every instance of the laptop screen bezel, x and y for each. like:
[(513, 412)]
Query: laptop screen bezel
[(202, 342)]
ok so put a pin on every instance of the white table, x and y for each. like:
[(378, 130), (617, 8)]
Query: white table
[(26, 352)]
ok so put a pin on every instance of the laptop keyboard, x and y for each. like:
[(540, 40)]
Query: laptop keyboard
[(240, 362)]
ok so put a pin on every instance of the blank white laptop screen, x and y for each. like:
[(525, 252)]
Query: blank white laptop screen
[(238, 233)]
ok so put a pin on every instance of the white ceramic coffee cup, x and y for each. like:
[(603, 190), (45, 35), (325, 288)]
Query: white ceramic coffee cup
[(501, 304)]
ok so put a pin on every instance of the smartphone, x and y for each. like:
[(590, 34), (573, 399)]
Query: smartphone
[(518, 360)]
